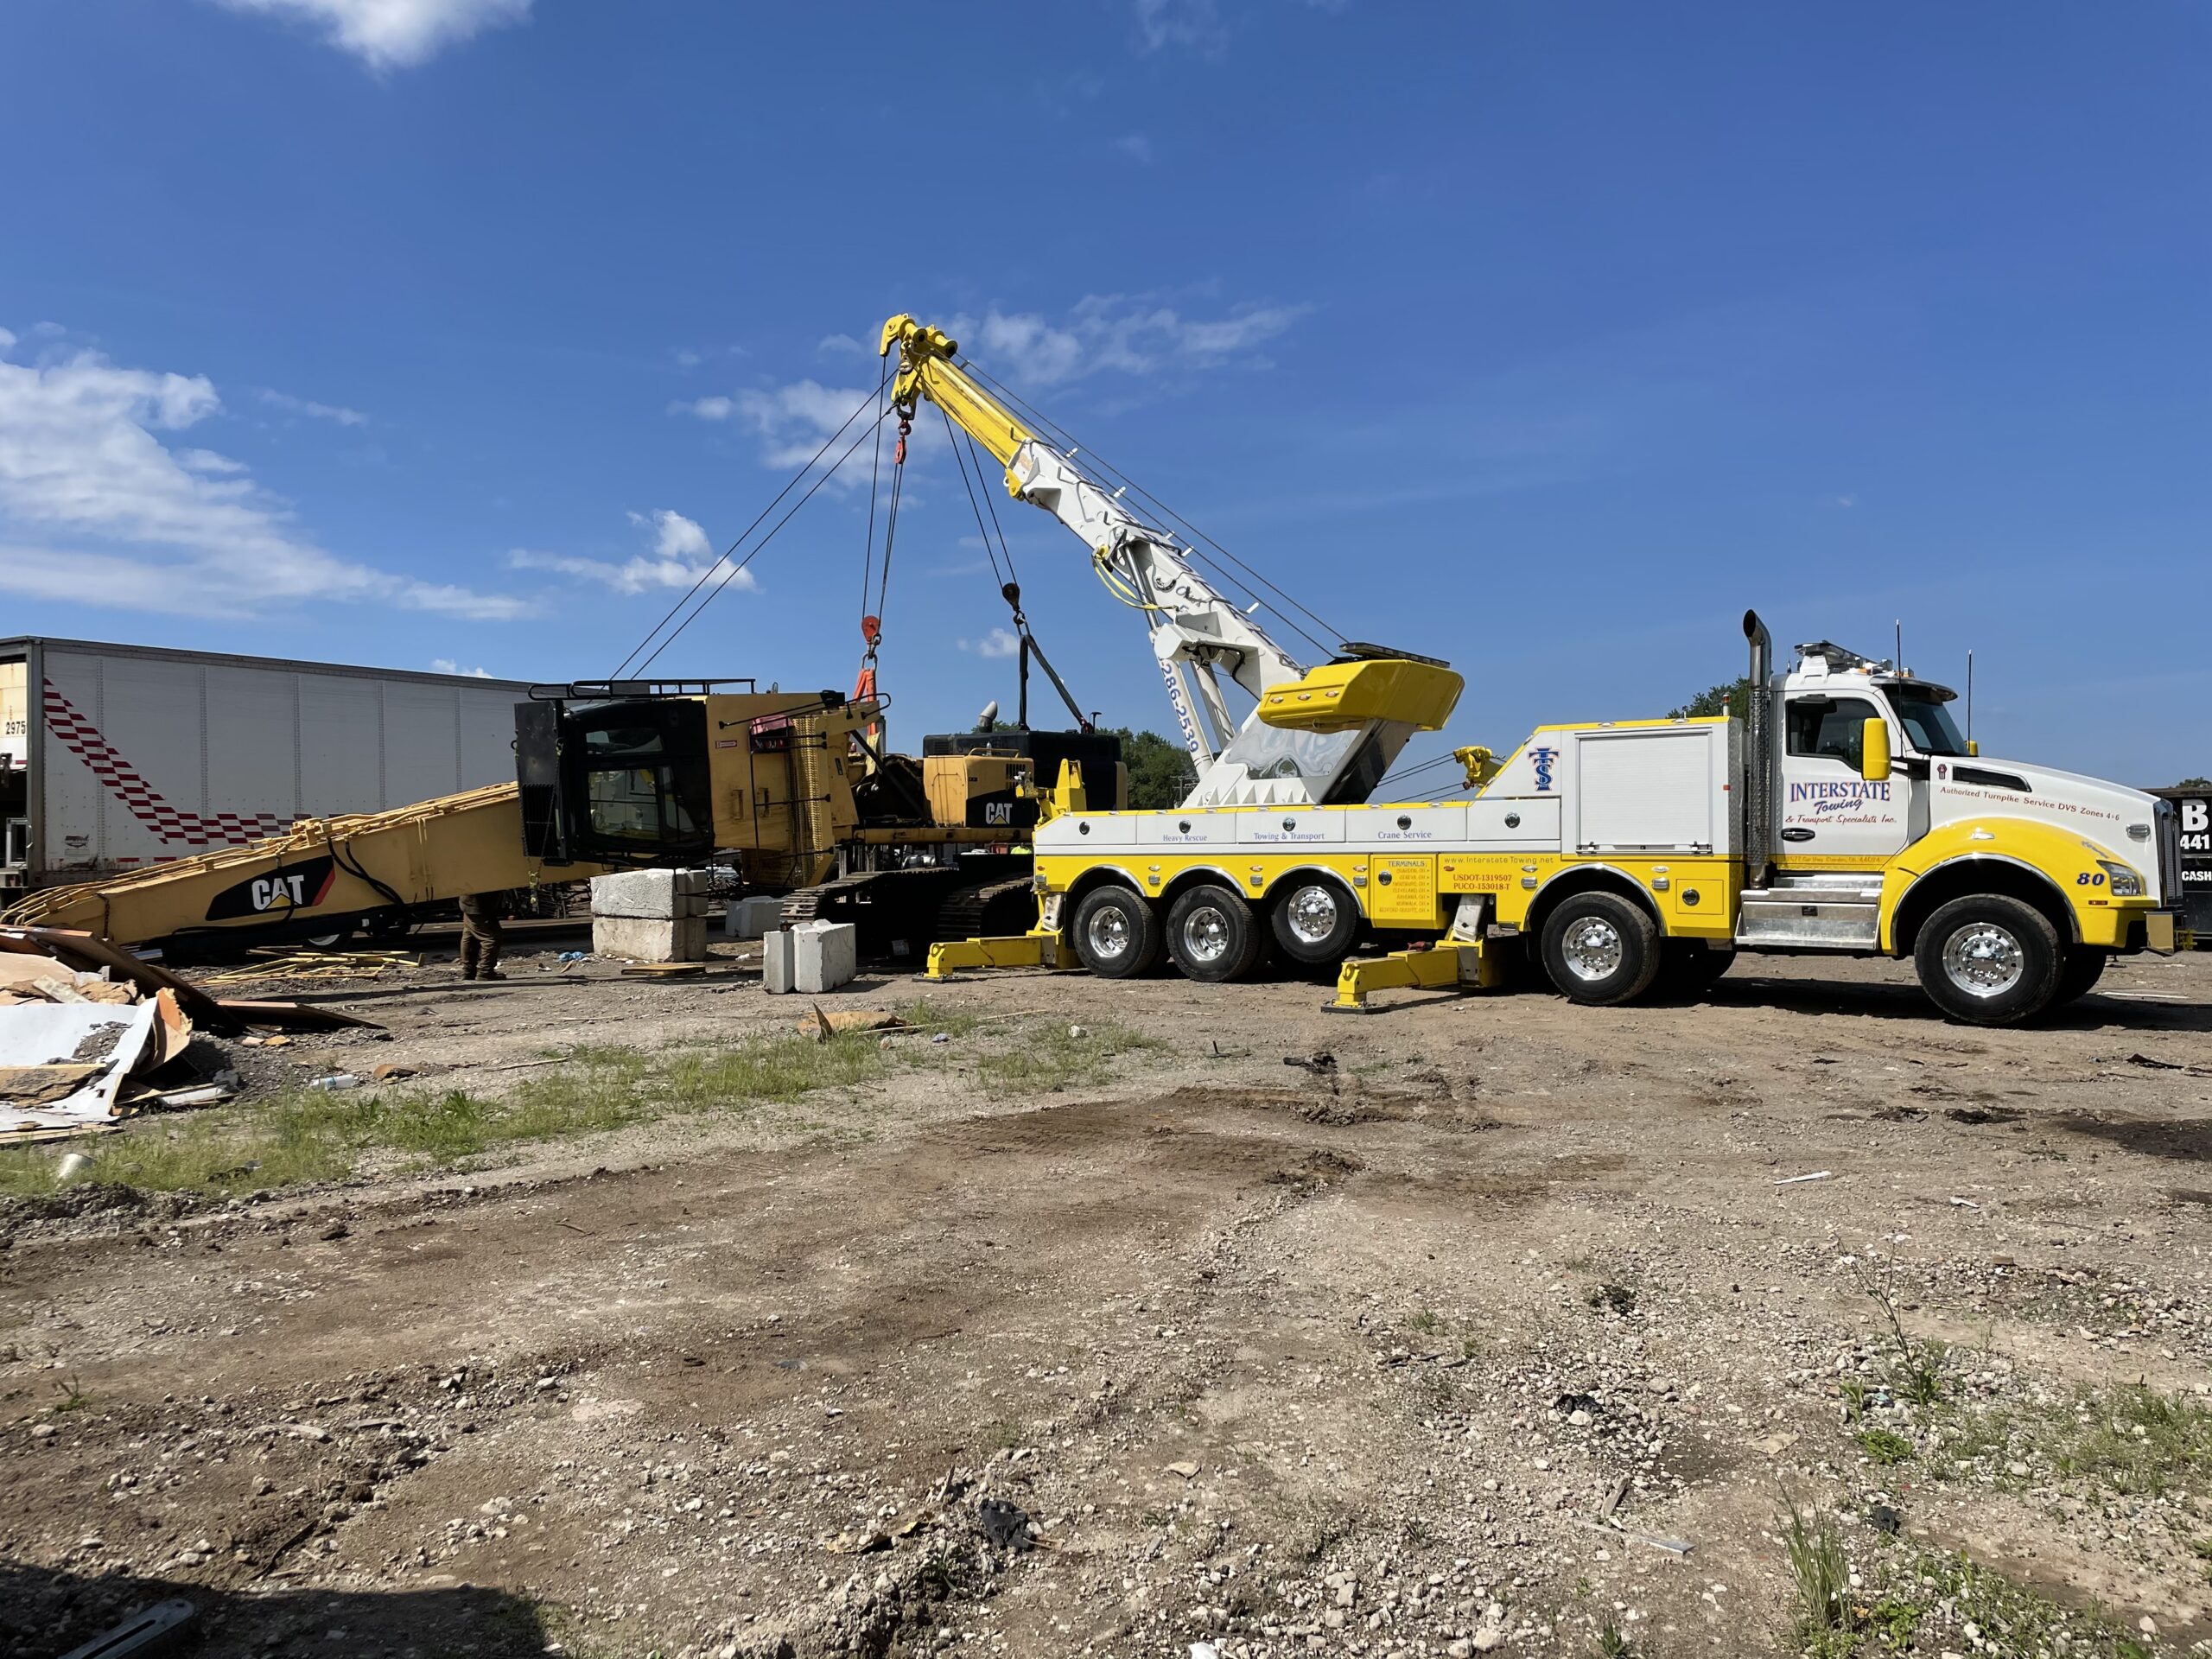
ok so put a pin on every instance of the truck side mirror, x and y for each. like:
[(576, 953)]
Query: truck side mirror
[(1874, 750)]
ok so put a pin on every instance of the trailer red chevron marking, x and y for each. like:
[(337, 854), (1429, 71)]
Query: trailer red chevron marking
[(171, 823)]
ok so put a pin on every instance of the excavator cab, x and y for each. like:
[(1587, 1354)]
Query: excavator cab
[(626, 781)]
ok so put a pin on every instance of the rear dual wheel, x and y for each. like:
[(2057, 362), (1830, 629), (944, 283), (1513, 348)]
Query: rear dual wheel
[(1211, 932), (1116, 932), (1212, 935)]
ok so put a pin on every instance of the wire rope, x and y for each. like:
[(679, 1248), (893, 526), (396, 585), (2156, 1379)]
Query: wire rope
[(740, 542), (737, 568)]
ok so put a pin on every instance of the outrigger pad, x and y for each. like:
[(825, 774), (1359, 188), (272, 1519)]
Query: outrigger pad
[(1019, 950)]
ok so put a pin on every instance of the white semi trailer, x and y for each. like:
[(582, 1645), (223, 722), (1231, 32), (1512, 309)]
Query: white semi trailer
[(115, 757)]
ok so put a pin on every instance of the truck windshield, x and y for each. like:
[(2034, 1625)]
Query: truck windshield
[(1927, 723)]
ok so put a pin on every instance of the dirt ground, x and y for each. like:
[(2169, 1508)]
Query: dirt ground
[(1506, 1328)]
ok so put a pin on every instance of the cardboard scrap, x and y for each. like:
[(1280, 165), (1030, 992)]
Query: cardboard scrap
[(820, 1024), (301, 1016), (111, 1042), (90, 953), (33, 1086)]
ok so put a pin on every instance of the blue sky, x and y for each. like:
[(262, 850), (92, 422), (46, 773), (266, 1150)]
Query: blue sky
[(1543, 339)]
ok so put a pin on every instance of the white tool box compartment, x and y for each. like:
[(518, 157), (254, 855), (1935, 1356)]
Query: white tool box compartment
[(1649, 789)]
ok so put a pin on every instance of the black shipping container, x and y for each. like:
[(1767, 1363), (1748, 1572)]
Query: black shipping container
[(2194, 808)]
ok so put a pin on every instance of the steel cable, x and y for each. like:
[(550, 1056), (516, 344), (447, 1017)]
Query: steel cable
[(740, 542)]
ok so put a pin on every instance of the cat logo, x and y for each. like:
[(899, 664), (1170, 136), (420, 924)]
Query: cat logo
[(288, 890), (293, 887), (998, 812)]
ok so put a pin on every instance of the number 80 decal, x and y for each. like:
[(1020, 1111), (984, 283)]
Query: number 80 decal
[(2090, 879)]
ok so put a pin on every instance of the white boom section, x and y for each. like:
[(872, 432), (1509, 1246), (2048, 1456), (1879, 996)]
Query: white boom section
[(1196, 634)]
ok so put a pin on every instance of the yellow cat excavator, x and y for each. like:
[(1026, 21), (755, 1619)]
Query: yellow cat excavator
[(787, 787)]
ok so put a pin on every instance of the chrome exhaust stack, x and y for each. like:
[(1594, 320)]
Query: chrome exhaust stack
[(1758, 756)]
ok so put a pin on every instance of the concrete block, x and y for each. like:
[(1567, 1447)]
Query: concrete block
[(651, 895), (776, 960), (749, 919), (648, 939), (824, 955)]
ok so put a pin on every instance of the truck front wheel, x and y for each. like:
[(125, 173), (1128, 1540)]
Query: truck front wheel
[(2085, 966), (1212, 935), (1988, 960), (1117, 933), (1600, 949)]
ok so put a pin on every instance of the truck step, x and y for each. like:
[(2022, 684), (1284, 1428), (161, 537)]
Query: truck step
[(1820, 913)]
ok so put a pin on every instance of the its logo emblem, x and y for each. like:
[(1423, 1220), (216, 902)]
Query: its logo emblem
[(1941, 770), (1541, 759)]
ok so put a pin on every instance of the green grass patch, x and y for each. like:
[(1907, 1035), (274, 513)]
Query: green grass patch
[(1885, 1446), (1823, 1617), (1908, 1600), (2135, 1440), (302, 1135), (954, 1022), (305, 1135), (2129, 1439), (1929, 1598), (1044, 1059)]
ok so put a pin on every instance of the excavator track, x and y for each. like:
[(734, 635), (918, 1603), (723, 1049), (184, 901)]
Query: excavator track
[(900, 914), (987, 910)]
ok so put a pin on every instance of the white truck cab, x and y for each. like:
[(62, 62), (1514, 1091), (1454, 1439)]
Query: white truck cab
[(1883, 830)]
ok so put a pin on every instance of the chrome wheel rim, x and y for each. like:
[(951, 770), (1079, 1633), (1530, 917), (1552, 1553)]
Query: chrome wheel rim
[(1108, 933), (1593, 948), (1206, 934), (1312, 914), (1984, 960)]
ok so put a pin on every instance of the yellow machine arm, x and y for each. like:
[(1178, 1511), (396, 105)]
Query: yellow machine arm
[(927, 370), (334, 868)]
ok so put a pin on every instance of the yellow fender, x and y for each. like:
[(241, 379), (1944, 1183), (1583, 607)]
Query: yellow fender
[(2057, 854)]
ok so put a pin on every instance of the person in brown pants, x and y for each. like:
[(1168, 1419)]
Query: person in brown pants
[(481, 936)]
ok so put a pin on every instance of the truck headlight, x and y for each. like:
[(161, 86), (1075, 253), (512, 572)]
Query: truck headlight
[(2120, 880)]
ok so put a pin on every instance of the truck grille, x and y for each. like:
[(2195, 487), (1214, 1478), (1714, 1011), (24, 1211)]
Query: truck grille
[(2167, 824)]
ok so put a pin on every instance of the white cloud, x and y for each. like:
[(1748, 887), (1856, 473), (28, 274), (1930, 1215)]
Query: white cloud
[(1131, 335), (285, 401), (706, 408), (1136, 146), (999, 642), (183, 530), (681, 555), (797, 418), (842, 343), (391, 34), (447, 665), (1193, 23), (1137, 336)]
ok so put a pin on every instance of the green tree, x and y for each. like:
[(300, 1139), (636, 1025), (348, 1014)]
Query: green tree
[(1731, 697), (2194, 783), (1160, 772)]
